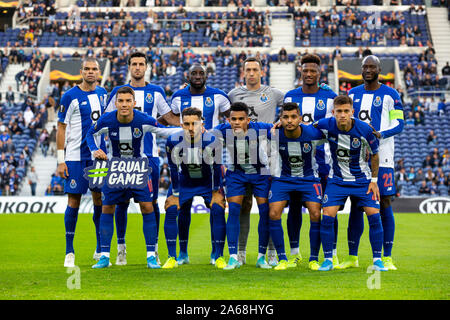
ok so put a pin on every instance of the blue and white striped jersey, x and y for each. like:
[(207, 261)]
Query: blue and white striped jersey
[(126, 139), (78, 110), (212, 102), (313, 107), (349, 150), (192, 164), (150, 99), (247, 153), (296, 157), (383, 109)]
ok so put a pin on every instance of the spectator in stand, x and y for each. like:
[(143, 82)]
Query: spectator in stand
[(441, 106), (432, 137), (428, 162), (411, 176), (420, 176), (44, 142), (446, 70), (33, 180), (434, 188), (429, 177), (424, 189), (282, 55)]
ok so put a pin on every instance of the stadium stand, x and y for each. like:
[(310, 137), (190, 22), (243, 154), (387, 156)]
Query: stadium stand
[(175, 36)]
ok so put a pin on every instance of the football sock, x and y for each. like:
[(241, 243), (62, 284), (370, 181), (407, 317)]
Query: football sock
[(96, 218), (211, 228), (157, 219), (219, 225), (233, 227), (70, 222), (294, 223), (387, 219), (276, 232), (149, 228), (327, 235), (336, 228), (171, 230), (354, 230), (121, 221), (314, 240), (263, 228), (106, 230), (184, 222), (375, 234)]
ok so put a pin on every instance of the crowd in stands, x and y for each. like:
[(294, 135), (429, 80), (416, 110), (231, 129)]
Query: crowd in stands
[(424, 73), (243, 28), (20, 127), (352, 27), (430, 179)]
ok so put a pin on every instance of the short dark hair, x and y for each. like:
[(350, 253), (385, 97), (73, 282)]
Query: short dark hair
[(311, 58), (88, 59), (192, 111), (239, 106), (125, 89), (137, 54), (253, 59), (342, 99), (289, 106)]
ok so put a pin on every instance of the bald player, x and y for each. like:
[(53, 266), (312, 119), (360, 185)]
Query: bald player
[(262, 101), (381, 107)]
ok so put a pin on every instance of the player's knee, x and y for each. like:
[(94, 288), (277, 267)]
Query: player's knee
[(274, 215), (146, 207), (97, 198), (314, 215), (74, 200)]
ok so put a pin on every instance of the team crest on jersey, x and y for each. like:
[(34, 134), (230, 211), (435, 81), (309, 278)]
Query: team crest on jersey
[(263, 97), (208, 102), (320, 105), (61, 109), (377, 101), (149, 98), (306, 147), (137, 133), (325, 198), (356, 143), (270, 194), (73, 184)]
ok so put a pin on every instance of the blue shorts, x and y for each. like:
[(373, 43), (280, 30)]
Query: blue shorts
[(187, 194), (112, 196), (386, 182), (281, 189), (153, 162), (76, 182), (236, 183), (336, 195)]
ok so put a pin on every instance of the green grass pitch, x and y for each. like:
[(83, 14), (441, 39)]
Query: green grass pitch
[(32, 249)]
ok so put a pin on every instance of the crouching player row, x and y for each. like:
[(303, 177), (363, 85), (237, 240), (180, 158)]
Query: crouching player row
[(350, 141)]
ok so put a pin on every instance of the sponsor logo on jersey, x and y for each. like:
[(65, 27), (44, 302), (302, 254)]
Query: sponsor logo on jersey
[(377, 101), (306, 147), (356, 143), (208, 102), (113, 134), (149, 98), (320, 105), (263, 97), (73, 184), (186, 103), (137, 133), (84, 103)]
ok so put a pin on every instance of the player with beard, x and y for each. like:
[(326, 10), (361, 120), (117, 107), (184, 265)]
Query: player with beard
[(150, 99), (315, 103), (214, 104)]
